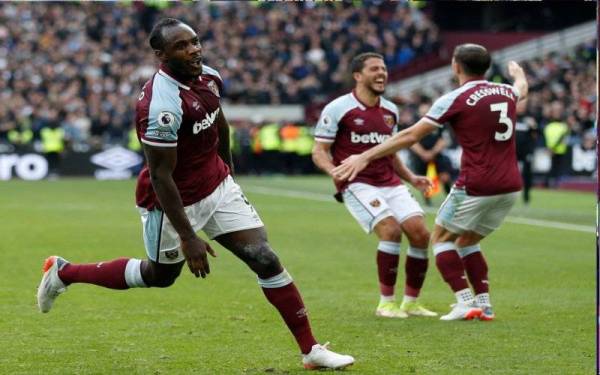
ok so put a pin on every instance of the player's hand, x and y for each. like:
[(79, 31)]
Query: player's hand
[(422, 183), (515, 70), (350, 168), (194, 250)]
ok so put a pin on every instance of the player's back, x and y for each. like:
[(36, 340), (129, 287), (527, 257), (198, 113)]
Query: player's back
[(483, 116)]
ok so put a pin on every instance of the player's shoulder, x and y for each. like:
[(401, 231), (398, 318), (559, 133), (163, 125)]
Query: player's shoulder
[(451, 97), (165, 91), (389, 105), (207, 70), (342, 104)]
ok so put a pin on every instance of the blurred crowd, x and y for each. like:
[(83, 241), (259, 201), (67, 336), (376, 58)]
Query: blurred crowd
[(62, 80), (85, 79)]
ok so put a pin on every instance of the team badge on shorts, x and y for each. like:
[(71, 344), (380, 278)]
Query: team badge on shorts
[(389, 120), (375, 203), (212, 86), (172, 254)]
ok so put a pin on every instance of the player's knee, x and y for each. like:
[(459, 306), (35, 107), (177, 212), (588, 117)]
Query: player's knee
[(262, 259), (420, 238), (164, 282), (468, 239), (269, 260), (157, 277), (390, 232)]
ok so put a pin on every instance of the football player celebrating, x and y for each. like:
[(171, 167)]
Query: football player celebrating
[(186, 187), (377, 199), (482, 115)]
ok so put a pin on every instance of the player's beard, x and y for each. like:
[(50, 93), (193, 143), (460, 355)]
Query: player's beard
[(183, 69), (375, 91)]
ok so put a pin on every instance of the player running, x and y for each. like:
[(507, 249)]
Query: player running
[(185, 187), (377, 199), (482, 115)]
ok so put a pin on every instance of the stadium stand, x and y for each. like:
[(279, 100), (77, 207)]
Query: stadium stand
[(56, 74), (87, 79)]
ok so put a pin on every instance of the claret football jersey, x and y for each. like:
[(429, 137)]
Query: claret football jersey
[(483, 116), (170, 113), (353, 127)]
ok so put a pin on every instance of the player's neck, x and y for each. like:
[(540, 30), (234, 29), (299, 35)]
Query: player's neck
[(179, 77), (462, 79), (366, 96)]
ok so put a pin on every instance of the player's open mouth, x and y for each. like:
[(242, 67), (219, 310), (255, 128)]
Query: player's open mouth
[(196, 62)]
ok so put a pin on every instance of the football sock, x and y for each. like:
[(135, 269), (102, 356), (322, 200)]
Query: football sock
[(464, 296), (476, 267), (415, 268), (388, 257), (282, 293), (483, 299), (450, 265), (122, 273)]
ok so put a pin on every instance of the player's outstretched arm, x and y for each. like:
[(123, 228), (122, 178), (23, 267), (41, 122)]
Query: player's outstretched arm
[(224, 149), (350, 167), (162, 162), (520, 80)]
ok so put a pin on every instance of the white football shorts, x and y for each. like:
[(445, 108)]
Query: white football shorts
[(461, 212), (225, 210), (370, 204)]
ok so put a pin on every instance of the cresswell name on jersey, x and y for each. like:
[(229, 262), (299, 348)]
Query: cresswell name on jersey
[(487, 91)]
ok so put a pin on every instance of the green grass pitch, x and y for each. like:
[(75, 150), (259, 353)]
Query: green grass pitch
[(542, 275)]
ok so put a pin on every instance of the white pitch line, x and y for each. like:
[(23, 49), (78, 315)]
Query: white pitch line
[(329, 198)]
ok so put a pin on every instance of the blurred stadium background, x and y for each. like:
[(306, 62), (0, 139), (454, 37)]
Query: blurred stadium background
[(70, 73)]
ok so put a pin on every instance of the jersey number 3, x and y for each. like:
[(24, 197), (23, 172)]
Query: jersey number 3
[(504, 119)]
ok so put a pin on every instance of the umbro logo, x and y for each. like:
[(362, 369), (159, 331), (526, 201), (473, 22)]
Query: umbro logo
[(359, 121)]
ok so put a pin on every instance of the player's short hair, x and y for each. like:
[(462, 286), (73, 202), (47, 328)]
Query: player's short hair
[(358, 62), (474, 59), (157, 40)]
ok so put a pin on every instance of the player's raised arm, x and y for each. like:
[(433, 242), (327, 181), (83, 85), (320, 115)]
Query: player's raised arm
[(520, 81), (224, 150), (350, 167)]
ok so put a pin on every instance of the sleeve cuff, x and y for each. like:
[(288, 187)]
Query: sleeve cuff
[(324, 140), (432, 122), (159, 144)]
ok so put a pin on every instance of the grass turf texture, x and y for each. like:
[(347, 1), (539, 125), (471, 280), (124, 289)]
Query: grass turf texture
[(542, 284)]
